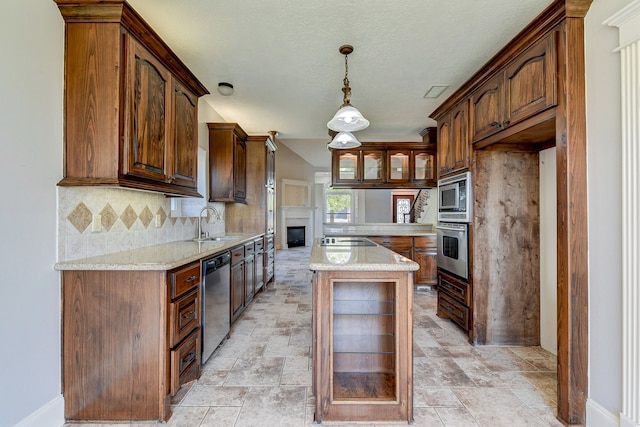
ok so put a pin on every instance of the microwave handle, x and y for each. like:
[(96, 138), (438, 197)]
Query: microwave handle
[(450, 227)]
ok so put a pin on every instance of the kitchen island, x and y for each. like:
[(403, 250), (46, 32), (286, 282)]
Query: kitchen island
[(362, 331)]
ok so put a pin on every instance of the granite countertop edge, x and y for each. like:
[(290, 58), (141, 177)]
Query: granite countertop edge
[(360, 258), (165, 256)]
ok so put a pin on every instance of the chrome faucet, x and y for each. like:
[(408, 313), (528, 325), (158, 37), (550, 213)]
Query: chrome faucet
[(207, 208)]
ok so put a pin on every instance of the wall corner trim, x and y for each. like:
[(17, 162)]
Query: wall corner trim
[(50, 414)]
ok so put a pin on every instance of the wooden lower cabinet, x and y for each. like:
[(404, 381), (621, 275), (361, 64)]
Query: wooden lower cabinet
[(362, 346), (421, 249), (130, 340), (424, 253), (237, 282), (402, 245), (454, 300)]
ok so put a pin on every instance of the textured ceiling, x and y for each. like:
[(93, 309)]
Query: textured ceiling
[(282, 58)]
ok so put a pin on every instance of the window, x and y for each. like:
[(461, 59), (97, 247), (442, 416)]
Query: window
[(339, 205), (402, 208)]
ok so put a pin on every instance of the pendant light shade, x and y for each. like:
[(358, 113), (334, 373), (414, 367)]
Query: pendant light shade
[(348, 119), (344, 140)]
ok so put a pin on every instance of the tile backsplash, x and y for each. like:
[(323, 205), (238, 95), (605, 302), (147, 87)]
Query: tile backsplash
[(128, 219)]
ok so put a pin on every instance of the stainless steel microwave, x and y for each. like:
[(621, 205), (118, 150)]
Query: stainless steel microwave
[(455, 198)]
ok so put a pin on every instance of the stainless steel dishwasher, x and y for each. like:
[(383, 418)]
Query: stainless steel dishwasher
[(215, 302)]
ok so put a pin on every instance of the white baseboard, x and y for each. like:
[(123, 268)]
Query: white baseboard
[(626, 422), (598, 416), (49, 415)]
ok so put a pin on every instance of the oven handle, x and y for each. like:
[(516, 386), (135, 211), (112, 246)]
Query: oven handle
[(450, 227)]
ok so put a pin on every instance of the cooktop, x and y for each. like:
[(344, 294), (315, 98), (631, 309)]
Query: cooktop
[(346, 241)]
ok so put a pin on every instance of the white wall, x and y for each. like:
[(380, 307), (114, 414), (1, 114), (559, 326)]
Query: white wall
[(604, 168), (31, 42), (548, 252)]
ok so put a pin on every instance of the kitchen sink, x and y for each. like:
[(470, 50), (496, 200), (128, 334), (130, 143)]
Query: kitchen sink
[(217, 239)]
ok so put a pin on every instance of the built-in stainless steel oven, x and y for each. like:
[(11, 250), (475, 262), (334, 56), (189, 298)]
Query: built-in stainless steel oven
[(453, 248)]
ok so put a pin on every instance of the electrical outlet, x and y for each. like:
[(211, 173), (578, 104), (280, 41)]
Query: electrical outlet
[(158, 221), (96, 224)]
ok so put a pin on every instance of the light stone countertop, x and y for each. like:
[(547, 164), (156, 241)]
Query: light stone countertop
[(357, 258), (378, 229), (157, 257)]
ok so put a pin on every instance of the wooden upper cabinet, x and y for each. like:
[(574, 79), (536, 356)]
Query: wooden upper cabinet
[(347, 167), (453, 140), (531, 81), (398, 165), (385, 165), (487, 107), (148, 112), (130, 103), (227, 163), (185, 156), (524, 88), (373, 166)]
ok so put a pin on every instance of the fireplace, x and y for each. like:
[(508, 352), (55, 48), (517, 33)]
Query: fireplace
[(295, 236)]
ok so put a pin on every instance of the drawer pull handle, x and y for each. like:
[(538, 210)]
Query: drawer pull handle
[(191, 279), (188, 316), (189, 358)]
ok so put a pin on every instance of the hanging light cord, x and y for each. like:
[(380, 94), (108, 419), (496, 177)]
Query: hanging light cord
[(346, 89)]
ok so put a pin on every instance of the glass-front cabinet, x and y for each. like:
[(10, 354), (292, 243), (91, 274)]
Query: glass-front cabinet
[(385, 165), (424, 166), (373, 166), (399, 165), (346, 164)]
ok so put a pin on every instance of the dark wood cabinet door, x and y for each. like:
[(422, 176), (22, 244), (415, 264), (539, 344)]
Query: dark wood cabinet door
[(487, 108), (373, 166), (444, 144), (346, 165), (239, 169), (237, 290), (185, 137), (428, 272), (423, 167), (460, 137), (530, 84), (249, 278), (147, 116), (398, 166)]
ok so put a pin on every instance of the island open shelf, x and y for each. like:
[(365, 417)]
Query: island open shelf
[(362, 345)]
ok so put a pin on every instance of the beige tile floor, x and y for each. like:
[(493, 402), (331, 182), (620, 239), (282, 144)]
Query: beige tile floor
[(261, 376)]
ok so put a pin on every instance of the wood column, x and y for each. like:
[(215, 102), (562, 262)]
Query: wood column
[(571, 167), (628, 20)]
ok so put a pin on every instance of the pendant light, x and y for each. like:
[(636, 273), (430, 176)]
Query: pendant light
[(348, 118), (344, 140)]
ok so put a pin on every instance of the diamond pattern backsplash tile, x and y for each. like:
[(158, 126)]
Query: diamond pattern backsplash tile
[(119, 210), (109, 216), (128, 217), (80, 217), (146, 216)]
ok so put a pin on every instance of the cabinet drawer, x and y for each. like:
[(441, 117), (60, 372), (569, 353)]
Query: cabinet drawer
[(269, 242), (184, 279), (425, 242), (237, 255), (271, 257), (184, 316), (454, 310), (454, 288), (249, 249), (185, 361), (393, 241), (259, 244)]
